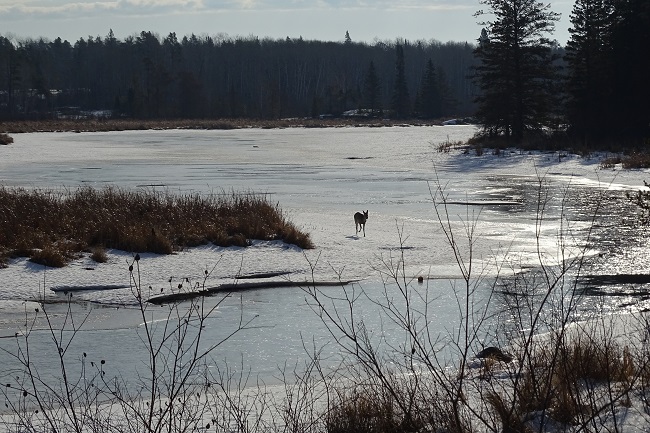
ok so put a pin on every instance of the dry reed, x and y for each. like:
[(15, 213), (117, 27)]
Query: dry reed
[(96, 125), (51, 227)]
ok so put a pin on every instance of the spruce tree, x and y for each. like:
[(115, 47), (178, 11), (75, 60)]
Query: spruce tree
[(372, 91), (630, 36), (401, 101), (588, 57), (429, 99), (516, 74)]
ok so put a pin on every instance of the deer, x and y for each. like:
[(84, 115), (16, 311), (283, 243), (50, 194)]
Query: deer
[(360, 222)]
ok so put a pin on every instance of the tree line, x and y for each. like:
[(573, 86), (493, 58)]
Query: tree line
[(516, 80), (146, 76), (597, 92)]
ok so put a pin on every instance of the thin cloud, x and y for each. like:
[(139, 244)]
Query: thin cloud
[(125, 7)]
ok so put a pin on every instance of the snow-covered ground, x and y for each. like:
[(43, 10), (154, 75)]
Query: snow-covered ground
[(320, 178)]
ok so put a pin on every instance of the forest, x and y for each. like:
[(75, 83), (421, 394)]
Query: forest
[(146, 76), (515, 80)]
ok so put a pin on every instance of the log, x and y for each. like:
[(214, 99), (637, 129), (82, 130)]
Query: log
[(238, 287)]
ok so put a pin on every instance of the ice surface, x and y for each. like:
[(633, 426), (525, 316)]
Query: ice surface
[(320, 178)]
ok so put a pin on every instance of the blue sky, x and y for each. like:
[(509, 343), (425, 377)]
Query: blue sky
[(366, 20)]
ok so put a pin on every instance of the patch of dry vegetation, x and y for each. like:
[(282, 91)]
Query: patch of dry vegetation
[(52, 227), (633, 160), (5, 139), (567, 379), (101, 125), (448, 146), (636, 160)]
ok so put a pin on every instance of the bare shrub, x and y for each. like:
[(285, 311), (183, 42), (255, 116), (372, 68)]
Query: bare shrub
[(563, 375), (555, 380), (90, 395)]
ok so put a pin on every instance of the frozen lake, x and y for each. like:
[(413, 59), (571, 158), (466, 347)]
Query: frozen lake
[(320, 178)]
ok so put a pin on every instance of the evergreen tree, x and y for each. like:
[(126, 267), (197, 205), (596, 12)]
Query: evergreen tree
[(447, 101), (147, 76), (588, 58), (630, 62), (516, 73), (429, 98), (372, 91), (401, 101)]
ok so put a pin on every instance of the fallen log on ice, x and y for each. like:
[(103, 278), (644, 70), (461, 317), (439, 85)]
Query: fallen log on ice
[(83, 288), (238, 287)]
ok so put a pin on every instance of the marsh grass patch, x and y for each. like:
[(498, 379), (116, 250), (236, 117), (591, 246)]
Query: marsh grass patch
[(563, 379), (5, 139), (52, 226)]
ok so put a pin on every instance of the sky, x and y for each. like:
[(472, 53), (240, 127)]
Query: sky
[(325, 20)]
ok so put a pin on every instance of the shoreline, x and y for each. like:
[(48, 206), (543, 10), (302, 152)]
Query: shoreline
[(106, 125)]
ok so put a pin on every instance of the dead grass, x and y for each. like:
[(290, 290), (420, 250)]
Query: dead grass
[(510, 420), (560, 381), (5, 139), (448, 146), (368, 412), (610, 162), (636, 160), (98, 254), (52, 226), (98, 125)]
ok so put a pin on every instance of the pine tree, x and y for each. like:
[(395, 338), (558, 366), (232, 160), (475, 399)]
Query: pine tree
[(608, 60), (630, 101), (447, 101), (372, 91), (516, 73), (588, 55), (401, 101), (429, 98)]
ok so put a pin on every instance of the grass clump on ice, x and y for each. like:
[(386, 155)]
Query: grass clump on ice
[(52, 227), (5, 139)]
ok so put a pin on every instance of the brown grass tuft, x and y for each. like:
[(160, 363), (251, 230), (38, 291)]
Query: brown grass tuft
[(610, 162), (510, 420), (5, 139), (636, 160), (554, 379), (49, 256), (364, 413), (294, 236), (98, 254)]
